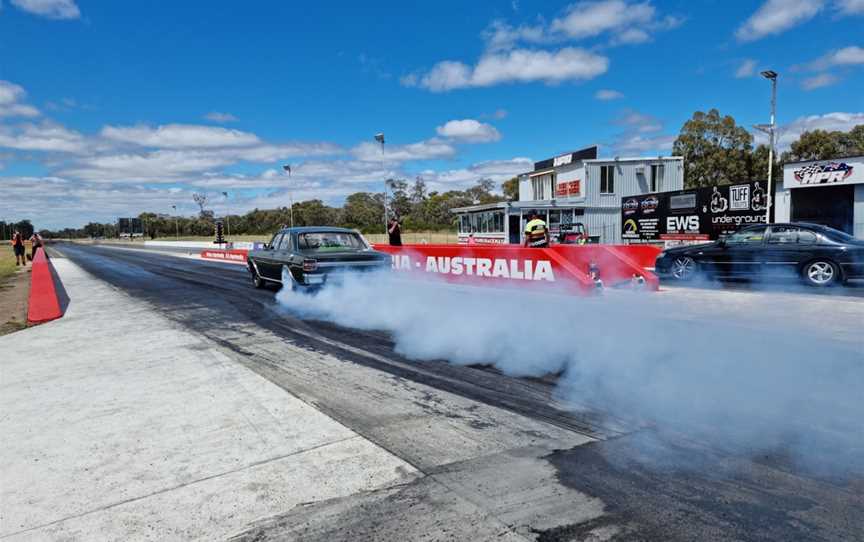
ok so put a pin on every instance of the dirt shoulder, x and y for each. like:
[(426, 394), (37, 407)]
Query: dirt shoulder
[(14, 291)]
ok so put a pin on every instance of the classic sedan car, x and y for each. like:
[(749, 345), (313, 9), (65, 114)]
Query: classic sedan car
[(820, 255), (309, 257)]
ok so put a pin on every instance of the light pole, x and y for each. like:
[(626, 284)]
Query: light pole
[(287, 168), (771, 76), (227, 215), (379, 137), (176, 224)]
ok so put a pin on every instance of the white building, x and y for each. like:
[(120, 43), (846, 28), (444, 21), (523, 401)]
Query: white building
[(829, 192), (576, 187)]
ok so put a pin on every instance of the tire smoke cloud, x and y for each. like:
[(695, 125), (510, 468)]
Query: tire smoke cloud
[(749, 377)]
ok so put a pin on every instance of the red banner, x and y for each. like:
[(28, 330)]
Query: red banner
[(234, 256), (565, 267)]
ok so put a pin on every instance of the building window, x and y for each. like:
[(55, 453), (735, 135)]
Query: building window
[(607, 179), (542, 186), (657, 171)]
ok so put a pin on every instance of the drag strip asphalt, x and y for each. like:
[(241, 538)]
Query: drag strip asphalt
[(495, 450)]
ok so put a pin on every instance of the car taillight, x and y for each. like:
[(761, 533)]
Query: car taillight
[(310, 265)]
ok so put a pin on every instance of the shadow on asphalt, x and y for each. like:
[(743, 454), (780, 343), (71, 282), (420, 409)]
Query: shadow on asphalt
[(850, 289)]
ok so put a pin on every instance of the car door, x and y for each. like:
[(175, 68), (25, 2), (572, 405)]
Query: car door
[(786, 247), (266, 262), (740, 255)]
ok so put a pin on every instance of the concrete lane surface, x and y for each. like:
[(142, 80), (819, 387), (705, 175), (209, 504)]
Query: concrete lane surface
[(174, 401)]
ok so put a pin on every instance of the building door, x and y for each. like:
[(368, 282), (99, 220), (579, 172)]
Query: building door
[(514, 227), (828, 205)]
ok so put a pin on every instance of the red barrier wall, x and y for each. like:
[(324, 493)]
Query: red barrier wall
[(563, 265), (43, 305), (644, 255), (238, 256), (616, 264)]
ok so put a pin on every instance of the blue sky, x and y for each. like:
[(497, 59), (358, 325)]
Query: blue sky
[(113, 108)]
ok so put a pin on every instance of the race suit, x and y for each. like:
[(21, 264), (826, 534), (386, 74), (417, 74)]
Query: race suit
[(535, 234)]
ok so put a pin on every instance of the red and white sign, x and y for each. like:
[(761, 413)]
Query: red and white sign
[(234, 256), (564, 267)]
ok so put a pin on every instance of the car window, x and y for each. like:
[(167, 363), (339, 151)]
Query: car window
[(285, 244), (752, 235), (274, 243), (330, 241), (782, 235), (807, 237)]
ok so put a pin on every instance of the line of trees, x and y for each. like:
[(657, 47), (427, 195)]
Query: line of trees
[(417, 208), (7, 229), (716, 151)]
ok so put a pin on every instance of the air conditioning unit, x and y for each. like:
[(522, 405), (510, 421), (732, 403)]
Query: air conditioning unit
[(640, 170)]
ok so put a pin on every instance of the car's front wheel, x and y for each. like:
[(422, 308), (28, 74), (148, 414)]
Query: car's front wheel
[(821, 273), (257, 281), (683, 268)]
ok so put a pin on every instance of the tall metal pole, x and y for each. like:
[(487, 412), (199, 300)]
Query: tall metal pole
[(176, 224), (772, 76), (287, 169), (227, 215), (379, 137)]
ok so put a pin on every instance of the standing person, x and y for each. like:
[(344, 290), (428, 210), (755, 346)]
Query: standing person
[(18, 248), (394, 232), (536, 232), (35, 243)]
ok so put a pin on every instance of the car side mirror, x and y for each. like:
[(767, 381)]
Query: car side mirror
[(721, 242), (267, 246)]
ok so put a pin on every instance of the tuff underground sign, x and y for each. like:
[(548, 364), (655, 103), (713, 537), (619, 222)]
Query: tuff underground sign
[(693, 215)]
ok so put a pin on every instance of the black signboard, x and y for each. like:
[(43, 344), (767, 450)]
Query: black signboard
[(693, 215)]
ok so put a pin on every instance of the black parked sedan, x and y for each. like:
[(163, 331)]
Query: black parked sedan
[(310, 256), (820, 255)]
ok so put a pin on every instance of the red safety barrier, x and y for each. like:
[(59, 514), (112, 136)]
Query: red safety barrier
[(43, 305), (644, 255), (563, 266), (234, 256)]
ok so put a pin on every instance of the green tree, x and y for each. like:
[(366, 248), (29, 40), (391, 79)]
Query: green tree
[(716, 151), (510, 188), (364, 211), (825, 145)]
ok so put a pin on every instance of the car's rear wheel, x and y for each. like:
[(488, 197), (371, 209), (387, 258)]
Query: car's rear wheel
[(821, 273), (683, 268), (288, 280), (257, 281)]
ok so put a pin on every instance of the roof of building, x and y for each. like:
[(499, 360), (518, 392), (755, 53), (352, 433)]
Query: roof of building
[(542, 204)]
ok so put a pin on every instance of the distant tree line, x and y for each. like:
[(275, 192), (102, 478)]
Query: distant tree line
[(716, 151), (417, 208), (7, 229)]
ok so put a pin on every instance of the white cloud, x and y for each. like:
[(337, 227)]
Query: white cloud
[(587, 19), (819, 81), (52, 9), (469, 130), (608, 94), (424, 150), (847, 56), (776, 16), (626, 22), (518, 65), (11, 96), (47, 137), (179, 136), (746, 69), (788, 133), (639, 144), (851, 7), (217, 116), (639, 122), (461, 178)]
